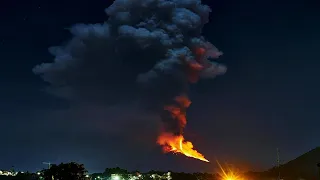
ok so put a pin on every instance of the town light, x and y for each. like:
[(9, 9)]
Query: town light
[(115, 177)]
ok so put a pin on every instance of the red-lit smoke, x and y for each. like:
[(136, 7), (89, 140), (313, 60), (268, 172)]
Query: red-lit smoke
[(175, 142)]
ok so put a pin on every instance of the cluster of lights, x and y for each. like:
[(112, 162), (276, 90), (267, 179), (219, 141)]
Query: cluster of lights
[(131, 177), (116, 177), (8, 173), (166, 176), (113, 177)]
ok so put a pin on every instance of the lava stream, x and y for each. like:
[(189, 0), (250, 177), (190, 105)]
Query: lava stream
[(177, 144)]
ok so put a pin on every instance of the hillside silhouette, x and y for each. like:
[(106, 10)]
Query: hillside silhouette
[(304, 166)]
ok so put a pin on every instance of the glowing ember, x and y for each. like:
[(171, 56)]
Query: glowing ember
[(229, 173), (177, 144)]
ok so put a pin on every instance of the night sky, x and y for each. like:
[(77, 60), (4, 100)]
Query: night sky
[(268, 99)]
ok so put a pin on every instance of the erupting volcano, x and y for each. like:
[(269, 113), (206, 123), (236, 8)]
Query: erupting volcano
[(177, 111), (96, 67)]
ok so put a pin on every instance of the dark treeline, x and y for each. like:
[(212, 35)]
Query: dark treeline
[(75, 171)]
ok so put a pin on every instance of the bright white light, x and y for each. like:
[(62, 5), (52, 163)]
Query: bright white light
[(38, 173), (115, 177)]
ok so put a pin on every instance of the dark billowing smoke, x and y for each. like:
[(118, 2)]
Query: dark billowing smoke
[(142, 49)]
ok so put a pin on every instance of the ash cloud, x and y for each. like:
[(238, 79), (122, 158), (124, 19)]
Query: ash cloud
[(135, 53)]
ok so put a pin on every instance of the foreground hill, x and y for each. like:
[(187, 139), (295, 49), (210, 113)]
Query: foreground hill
[(304, 166)]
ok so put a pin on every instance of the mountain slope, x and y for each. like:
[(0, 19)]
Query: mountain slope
[(304, 166)]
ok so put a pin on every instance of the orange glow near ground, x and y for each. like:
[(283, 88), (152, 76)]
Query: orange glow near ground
[(229, 174)]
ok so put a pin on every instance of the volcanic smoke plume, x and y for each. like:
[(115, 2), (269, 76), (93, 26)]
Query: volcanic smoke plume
[(156, 44)]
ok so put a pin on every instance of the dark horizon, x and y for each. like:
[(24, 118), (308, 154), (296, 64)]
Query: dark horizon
[(268, 98)]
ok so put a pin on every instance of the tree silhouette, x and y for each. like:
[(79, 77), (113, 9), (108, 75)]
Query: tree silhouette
[(156, 172), (184, 176), (96, 175), (25, 176), (65, 171)]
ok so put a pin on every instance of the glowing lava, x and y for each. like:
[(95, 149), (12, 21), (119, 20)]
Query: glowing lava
[(177, 144), (229, 173)]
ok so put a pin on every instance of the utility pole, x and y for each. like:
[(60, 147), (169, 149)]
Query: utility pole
[(47, 163), (278, 163), (318, 165), (49, 166)]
